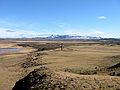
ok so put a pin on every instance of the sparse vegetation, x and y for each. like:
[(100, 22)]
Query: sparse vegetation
[(79, 66)]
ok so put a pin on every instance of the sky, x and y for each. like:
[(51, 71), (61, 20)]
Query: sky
[(35, 18)]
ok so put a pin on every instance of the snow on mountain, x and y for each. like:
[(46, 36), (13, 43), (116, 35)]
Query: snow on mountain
[(72, 37)]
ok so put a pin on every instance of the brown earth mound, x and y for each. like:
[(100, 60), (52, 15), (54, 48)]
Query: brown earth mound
[(114, 69), (45, 79), (42, 79), (114, 66)]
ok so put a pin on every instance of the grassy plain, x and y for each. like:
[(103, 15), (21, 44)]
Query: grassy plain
[(82, 58), (78, 61)]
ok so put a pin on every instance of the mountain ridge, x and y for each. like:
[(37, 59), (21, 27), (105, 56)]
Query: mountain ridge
[(69, 37)]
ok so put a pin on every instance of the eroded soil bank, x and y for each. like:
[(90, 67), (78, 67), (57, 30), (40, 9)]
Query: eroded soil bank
[(10, 65)]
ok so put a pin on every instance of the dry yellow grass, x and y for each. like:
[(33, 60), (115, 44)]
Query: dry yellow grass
[(83, 57), (79, 57)]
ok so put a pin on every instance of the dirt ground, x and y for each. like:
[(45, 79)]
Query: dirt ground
[(10, 69)]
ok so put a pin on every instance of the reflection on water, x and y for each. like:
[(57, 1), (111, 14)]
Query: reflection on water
[(6, 50)]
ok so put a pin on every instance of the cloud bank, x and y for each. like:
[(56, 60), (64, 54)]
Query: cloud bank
[(8, 33)]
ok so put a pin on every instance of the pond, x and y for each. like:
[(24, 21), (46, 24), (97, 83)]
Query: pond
[(7, 50)]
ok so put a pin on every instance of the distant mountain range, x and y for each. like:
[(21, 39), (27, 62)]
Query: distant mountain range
[(58, 37), (70, 37)]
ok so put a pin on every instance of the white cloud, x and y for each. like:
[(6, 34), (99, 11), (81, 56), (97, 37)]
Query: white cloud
[(72, 31), (97, 32), (101, 17), (93, 32), (9, 33)]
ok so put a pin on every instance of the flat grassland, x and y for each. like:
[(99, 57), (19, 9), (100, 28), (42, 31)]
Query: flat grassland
[(83, 58), (86, 62)]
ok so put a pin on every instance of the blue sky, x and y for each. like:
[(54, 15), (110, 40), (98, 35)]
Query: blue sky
[(29, 18)]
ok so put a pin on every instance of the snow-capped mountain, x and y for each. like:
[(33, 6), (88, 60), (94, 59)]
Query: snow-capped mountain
[(71, 37)]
